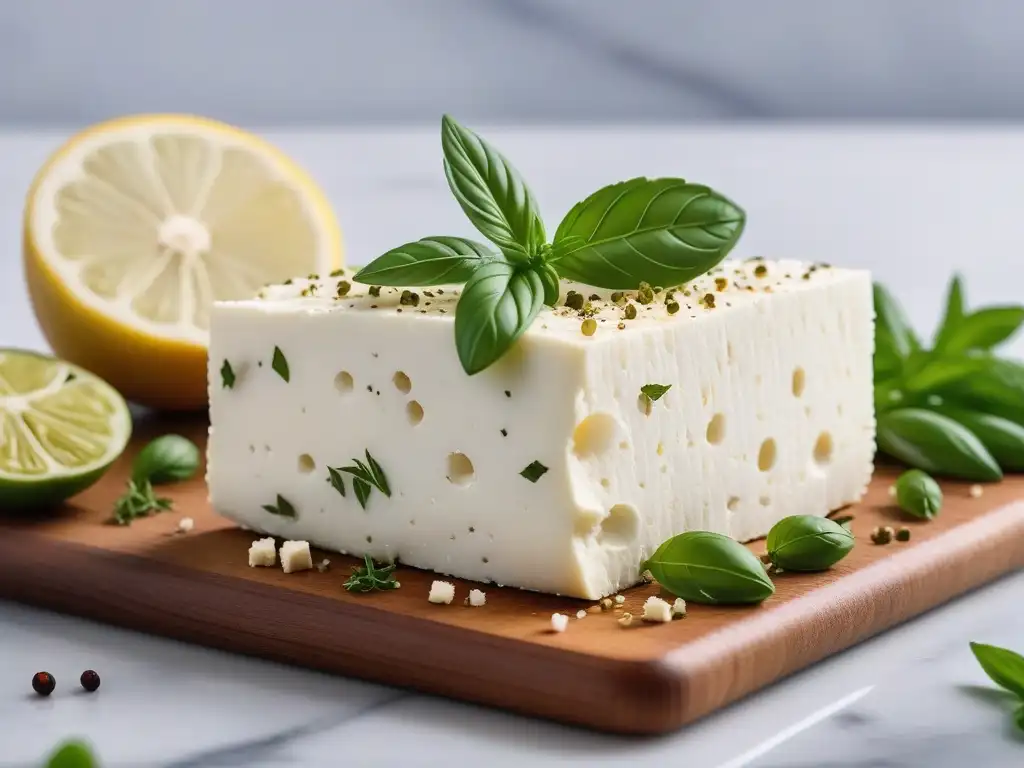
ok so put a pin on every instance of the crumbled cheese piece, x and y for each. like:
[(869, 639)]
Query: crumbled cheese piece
[(295, 556), (625, 619), (892, 491), (657, 610), (606, 604), (323, 565), (477, 598), (441, 592), (559, 621), (263, 552), (976, 491), (581, 614), (679, 607), (595, 609), (186, 524), (619, 599)]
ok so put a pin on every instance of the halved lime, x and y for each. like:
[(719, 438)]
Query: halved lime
[(61, 428)]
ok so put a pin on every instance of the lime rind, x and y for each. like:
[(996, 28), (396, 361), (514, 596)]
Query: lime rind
[(61, 428)]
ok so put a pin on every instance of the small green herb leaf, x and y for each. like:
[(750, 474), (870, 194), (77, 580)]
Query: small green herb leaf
[(280, 364), (937, 370), (918, 494), (139, 500), (709, 568), (935, 443), (167, 459), (954, 311), (497, 306), (366, 477), (534, 471), (1003, 438), (660, 231), (1005, 667), (983, 329), (227, 376), (491, 192), (655, 392), (336, 480), (430, 261), (370, 576), (72, 754), (808, 543), (283, 507)]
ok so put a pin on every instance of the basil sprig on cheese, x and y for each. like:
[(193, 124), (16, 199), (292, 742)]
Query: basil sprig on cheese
[(956, 409), (658, 231)]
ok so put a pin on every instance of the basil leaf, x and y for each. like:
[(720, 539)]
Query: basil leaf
[(552, 288), (918, 494), (1003, 666), (709, 568), (997, 389), (807, 543), (166, 459), (894, 338), (491, 192), (654, 391), (954, 311), (280, 364), (72, 754), (658, 231), (984, 329), (435, 260), (939, 370), (935, 443), (497, 305), (1003, 438)]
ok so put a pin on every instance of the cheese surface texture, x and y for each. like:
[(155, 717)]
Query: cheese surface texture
[(551, 470)]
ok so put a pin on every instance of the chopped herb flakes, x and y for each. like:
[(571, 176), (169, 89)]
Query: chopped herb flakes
[(336, 480), (630, 312), (337, 273), (344, 286), (138, 500), (280, 364), (409, 299), (534, 471), (369, 576), (645, 295), (672, 307), (375, 291), (655, 391), (365, 477), (574, 300), (227, 375), (283, 507), (760, 270)]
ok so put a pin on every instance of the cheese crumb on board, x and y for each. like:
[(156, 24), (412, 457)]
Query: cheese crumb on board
[(186, 524), (477, 598), (657, 610), (625, 619), (559, 621), (679, 608), (976, 491), (323, 565), (441, 592), (295, 556), (620, 599), (263, 552), (557, 484), (581, 614)]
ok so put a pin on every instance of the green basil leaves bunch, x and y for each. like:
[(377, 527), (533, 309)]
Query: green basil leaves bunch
[(956, 409), (659, 231)]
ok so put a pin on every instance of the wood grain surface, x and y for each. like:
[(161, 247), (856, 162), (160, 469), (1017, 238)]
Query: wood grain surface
[(642, 679)]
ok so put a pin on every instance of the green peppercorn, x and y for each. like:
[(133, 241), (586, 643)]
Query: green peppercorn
[(645, 295), (588, 326), (344, 286), (574, 300), (630, 313), (672, 307)]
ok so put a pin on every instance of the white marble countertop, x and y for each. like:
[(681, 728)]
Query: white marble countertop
[(909, 205)]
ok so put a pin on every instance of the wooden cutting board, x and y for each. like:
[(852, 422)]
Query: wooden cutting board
[(642, 679)]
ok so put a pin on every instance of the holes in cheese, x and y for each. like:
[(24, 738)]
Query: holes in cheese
[(402, 382), (306, 464), (460, 469), (621, 527), (799, 381), (344, 382), (823, 448), (716, 429), (594, 435), (766, 455), (414, 412)]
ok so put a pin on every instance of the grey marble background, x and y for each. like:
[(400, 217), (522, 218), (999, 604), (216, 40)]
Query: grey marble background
[(308, 62)]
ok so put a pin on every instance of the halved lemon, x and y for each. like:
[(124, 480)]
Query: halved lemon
[(135, 226), (61, 428)]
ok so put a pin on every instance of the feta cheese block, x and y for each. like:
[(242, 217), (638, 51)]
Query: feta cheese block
[(551, 470)]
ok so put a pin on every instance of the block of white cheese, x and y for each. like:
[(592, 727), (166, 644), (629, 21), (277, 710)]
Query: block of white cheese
[(550, 470)]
